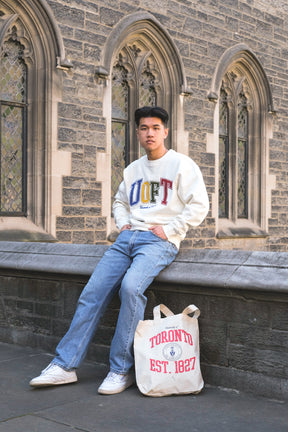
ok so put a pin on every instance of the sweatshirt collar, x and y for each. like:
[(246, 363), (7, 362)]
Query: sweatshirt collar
[(157, 161)]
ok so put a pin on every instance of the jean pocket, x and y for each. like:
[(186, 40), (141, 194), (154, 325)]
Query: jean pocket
[(157, 237)]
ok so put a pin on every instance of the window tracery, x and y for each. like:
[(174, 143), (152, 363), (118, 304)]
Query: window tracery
[(13, 104), (136, 81), (239, 149)]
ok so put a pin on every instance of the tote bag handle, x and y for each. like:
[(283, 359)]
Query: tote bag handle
[(192, 309), (167, 312), (161, 308)]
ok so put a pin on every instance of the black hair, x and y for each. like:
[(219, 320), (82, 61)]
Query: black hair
[(151, 111)]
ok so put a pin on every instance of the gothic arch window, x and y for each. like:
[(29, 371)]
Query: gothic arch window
[(136, 81), (31, 48), (244, 108), (13, 104), (234, 148), (241, 141), (141, 65), (22, 179), (145, 68)]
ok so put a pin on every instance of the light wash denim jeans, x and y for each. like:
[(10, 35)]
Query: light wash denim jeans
[(130, 264)]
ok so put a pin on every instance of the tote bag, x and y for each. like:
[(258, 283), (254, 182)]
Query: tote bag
[(167, 353)]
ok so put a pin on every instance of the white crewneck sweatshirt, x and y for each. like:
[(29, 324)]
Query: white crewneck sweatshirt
[(169, 191)]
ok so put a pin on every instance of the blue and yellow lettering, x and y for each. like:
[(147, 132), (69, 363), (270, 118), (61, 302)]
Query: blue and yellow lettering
[(135, 201)]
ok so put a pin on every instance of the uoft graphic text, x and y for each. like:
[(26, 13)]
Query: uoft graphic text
[(146, 192), (172, 352)]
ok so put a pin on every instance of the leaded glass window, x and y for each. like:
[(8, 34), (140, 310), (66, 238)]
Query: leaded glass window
[(120, 118), (242, 153), (147, 93), (245, 101), (223, 156), (13, 82), (135, 80), (233, 149)]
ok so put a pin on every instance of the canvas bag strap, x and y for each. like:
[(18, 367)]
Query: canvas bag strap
[(161, 308), (192, 309)]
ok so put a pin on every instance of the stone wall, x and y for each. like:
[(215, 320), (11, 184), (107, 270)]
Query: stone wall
[(202, 31), (72, 48), (242, 297)]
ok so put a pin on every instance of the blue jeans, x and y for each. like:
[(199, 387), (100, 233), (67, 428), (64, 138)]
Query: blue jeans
[(130, 264)]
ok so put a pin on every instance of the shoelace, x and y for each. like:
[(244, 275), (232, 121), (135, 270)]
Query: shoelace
[(114, 377), (51, 366)]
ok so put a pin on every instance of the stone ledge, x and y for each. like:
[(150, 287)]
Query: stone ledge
[(260, 271), (242, 297)]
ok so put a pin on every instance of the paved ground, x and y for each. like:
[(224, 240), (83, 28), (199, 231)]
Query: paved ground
[(78, 407)]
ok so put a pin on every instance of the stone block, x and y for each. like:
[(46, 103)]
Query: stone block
[(64, 236), (69, 111), (67, 134), (265, 361), (76, 182), (100, 236), (71, 196), (81, 237), (91, 197), (279, 317), (258, 337), (97, 223), (68, 15), (70, 222), (59, 327), (92, 52), (81, 211), (213, 337)]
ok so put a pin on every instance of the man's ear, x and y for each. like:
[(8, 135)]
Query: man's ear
[(166, 132)]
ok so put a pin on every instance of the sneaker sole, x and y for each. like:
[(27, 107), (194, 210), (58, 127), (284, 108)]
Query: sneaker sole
[(50, 384), (119, 390)]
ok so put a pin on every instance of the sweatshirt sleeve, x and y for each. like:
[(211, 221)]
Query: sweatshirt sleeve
[(121, 209), (192, 192)]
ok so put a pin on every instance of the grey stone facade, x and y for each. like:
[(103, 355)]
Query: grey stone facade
[(69, 150)]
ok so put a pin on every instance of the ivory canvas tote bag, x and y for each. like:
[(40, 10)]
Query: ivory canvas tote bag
[(167, 355)]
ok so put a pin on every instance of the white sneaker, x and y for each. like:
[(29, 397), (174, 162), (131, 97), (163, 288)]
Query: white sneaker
[(115, 383), (53, 375)]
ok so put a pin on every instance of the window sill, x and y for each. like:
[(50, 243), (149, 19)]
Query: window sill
[(240, 229), (20, 229)]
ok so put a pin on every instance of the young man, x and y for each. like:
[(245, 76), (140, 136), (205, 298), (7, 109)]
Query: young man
[(161, 195)]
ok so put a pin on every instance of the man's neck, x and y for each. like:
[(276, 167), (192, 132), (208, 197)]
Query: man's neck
[(156, 155)]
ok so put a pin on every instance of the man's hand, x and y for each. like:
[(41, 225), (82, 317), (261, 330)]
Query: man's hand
[(125, 227), (158, 231)]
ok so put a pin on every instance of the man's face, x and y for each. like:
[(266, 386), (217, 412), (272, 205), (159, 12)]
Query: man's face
[(151, 133)]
